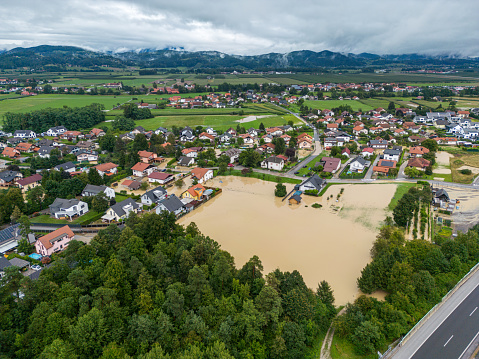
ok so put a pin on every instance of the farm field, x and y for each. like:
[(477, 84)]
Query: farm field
[(221, 122), (329, 104), (32, 103)]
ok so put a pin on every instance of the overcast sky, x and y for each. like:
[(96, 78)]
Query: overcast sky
[(246, 27)]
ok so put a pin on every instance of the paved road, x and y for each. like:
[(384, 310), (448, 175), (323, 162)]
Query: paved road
[(450, 330)]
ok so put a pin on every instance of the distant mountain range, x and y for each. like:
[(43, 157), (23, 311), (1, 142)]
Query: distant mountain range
[(45, 55)]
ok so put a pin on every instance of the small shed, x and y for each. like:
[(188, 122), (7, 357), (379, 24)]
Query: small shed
[(295, 199)]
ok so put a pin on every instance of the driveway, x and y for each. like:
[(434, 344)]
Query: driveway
[(370, 170)]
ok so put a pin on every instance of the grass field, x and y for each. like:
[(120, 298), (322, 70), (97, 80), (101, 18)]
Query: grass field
[(32, 103), (463, 159), (221, 122), (401, 190), (329, 104), (261, 176)]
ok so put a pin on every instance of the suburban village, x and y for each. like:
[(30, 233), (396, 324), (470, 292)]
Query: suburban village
[(169, 169), (314, 157)]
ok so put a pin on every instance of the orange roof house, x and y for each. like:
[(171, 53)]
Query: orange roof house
[(54, 241), (10, 152), (418, 162), (194, 192), (418, 151), (108, 169)]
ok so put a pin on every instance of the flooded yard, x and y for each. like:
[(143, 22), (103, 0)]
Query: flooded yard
[(331, 243)]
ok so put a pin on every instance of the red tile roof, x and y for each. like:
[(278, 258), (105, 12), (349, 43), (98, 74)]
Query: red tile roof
[(45, 240)]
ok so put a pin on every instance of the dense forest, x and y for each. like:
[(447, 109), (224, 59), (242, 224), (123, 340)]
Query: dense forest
[(158, 290), (41, 120)]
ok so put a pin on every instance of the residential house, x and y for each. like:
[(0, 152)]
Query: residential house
[(92, 190), (44, 151), (312, 183), (186, 161), (72, 135), (378, 144), (233, 154), (55, 241), (161, 130), (418, 151), (202, 174), (358, 130), (194, 192), (204, 136), (9, 238), (273, 163), (107, 169), (367, 152), (418, 162), (132, 185), (87, 155), (211, 131), (9, 178), (171, 204), (332, 126), (86, 145), (247, 139), (24, 134), (330, 142), (160, 177), (25, 147), (416, 139), (121, 210), (97, 132), (305, 143), (67, 208), (187, 136), (225, 137), (330, 164), (153, 196), (11, 152), (142, 169), (56, 131), (359, 164), (384, 166), (67, 167), (346, 152), (253, 132), (4, 263), (190, 152), (392, 155), (29, 182)]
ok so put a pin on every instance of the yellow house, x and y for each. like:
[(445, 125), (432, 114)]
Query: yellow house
[(194, 192)]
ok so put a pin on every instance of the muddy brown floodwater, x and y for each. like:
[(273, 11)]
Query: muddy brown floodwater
[(331, 243)]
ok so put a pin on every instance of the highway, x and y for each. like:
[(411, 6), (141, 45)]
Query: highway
[(451, 329)]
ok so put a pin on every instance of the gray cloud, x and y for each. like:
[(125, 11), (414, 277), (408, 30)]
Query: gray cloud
[(246, 27)]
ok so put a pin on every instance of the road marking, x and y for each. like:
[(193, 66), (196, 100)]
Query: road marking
[(460, 356), (442, 321), (448, 340), (473, 311)]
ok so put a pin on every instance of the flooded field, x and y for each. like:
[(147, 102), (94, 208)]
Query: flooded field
[(331, 243)]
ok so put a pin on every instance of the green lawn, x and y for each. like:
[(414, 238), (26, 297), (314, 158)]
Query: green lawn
[(47, 219), (222, 122), (329, 104), (120, 197), (32, 103), (306, 170), (261, 176), (401, 189)]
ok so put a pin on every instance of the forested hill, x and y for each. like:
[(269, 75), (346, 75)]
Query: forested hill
[(45, 56), (158, 290)]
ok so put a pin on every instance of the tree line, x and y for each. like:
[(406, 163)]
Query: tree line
[(41, 120)]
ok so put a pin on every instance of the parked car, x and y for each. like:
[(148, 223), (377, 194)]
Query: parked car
[(230, 165), (297, 172), (36, 267)]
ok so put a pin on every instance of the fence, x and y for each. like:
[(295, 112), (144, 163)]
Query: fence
[(389, 353)]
